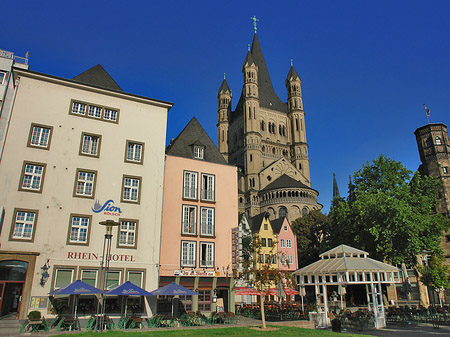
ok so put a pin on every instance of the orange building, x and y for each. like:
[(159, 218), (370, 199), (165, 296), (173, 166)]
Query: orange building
[(199, 211)]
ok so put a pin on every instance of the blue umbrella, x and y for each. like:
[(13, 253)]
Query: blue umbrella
[(76, 288), (128, 289), (173, 289)]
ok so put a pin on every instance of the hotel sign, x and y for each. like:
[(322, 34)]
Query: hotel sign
[(195, 273), (96, 256), (107, 208)]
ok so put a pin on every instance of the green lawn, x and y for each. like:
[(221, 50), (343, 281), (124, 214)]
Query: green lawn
[(241, 331)]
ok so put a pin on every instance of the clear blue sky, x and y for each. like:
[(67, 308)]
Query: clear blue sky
[(367, 67)]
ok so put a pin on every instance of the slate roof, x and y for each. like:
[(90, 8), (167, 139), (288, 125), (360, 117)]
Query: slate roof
[(194, 134), (285, 181), (267, 96), (292, 74), (256, 221), (224, 87), (277, 224), (97, 76)]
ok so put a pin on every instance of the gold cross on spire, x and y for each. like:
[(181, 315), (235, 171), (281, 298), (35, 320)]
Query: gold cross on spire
[(254, 23)]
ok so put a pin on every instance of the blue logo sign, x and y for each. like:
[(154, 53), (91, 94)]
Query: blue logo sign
[(107, 208)]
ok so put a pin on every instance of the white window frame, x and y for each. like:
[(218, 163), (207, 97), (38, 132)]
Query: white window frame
[(134, 152), (282, 243), (283, 259), (90, 145), (208, 187), (24, 225), (140, 272), (131, 189), (110, 114), (57, 270), (190, 185), (290, 259), (113, 272), (188, 253), (288, 243), (79, 229), (207, 221), (189, 220), (85, 183), (95, 111), (32, 177), (127, 233), (94, 271), (79, 108), (199, 152), (40, 136), (2, 78), (207, 262)]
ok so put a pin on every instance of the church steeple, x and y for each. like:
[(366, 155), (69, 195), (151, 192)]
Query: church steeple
[(335, 188), (224, 109)]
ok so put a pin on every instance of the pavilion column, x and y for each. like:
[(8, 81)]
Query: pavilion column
[(325, 303)]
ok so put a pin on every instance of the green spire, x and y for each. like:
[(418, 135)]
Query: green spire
[(254, 23)]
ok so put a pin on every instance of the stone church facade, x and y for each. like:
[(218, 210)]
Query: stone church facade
[(266, 139)]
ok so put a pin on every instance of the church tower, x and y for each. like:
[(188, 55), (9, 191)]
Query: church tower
[(224, 101), (267, 141), (434, 150)]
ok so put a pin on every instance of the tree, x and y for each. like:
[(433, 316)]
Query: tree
[(436, 275), (262, 274), (313, 234), (389, 213)]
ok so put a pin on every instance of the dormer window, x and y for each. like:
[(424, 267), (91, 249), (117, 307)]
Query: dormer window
[(199, 152)]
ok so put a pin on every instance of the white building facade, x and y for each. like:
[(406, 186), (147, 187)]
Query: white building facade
[(77, 154)]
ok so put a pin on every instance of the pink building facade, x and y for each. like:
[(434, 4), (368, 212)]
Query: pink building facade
[(199, 211), (287, 245)]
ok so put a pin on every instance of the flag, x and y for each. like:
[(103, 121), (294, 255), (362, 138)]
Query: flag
[(427, 111)]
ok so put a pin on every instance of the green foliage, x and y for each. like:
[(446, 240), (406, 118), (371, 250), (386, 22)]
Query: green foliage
[(389, 213), (34, 315), (313, 234), (437, 274)]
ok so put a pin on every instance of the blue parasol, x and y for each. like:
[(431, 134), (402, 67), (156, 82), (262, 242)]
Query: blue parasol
[(173, 289), (128, 289)]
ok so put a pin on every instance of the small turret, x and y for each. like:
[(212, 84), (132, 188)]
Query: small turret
[(224, 109), (294, 91)]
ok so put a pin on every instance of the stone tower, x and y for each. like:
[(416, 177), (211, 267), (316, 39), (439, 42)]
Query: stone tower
[(434, 151), (266, 139)]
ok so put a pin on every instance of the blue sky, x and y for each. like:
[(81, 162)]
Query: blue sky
[(367, 67)]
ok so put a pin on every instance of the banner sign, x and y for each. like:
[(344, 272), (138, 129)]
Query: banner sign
[(107, 208)]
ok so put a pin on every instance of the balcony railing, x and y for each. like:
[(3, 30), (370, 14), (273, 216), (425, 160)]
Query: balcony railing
[(17, 59)]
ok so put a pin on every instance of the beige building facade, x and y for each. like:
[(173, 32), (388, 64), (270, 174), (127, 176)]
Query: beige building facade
[(79, 152), (266, 139)]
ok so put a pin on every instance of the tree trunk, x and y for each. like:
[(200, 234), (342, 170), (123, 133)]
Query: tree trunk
[(263, 315)]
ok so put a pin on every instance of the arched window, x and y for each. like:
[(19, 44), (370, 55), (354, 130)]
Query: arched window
[(282, 212), (304, 211), (438, 141), (262, 126), (428, 142)]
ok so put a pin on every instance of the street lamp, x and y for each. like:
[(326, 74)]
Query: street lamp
[(106, 257)]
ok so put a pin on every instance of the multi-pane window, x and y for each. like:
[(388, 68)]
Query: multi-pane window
[(110, 115), (79, 108), (189, 219), (274, 259), (40, 136), (190, 185), (188, 253), (208, 187), (261, 258), (267, 259), (90, 145), (134, 152), (89, 277), (32, 177), (127, 233), (198, 151), (23, 225), (63, 277), (204, 300), (283, 243), (269, 243), (131, 189), (283, 259), (94, 111), (288, 243), (264, 242), (79, 229), (136, 277), (290, 259), (113, 279), (207, 221), (206, 254), (85, 183)]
